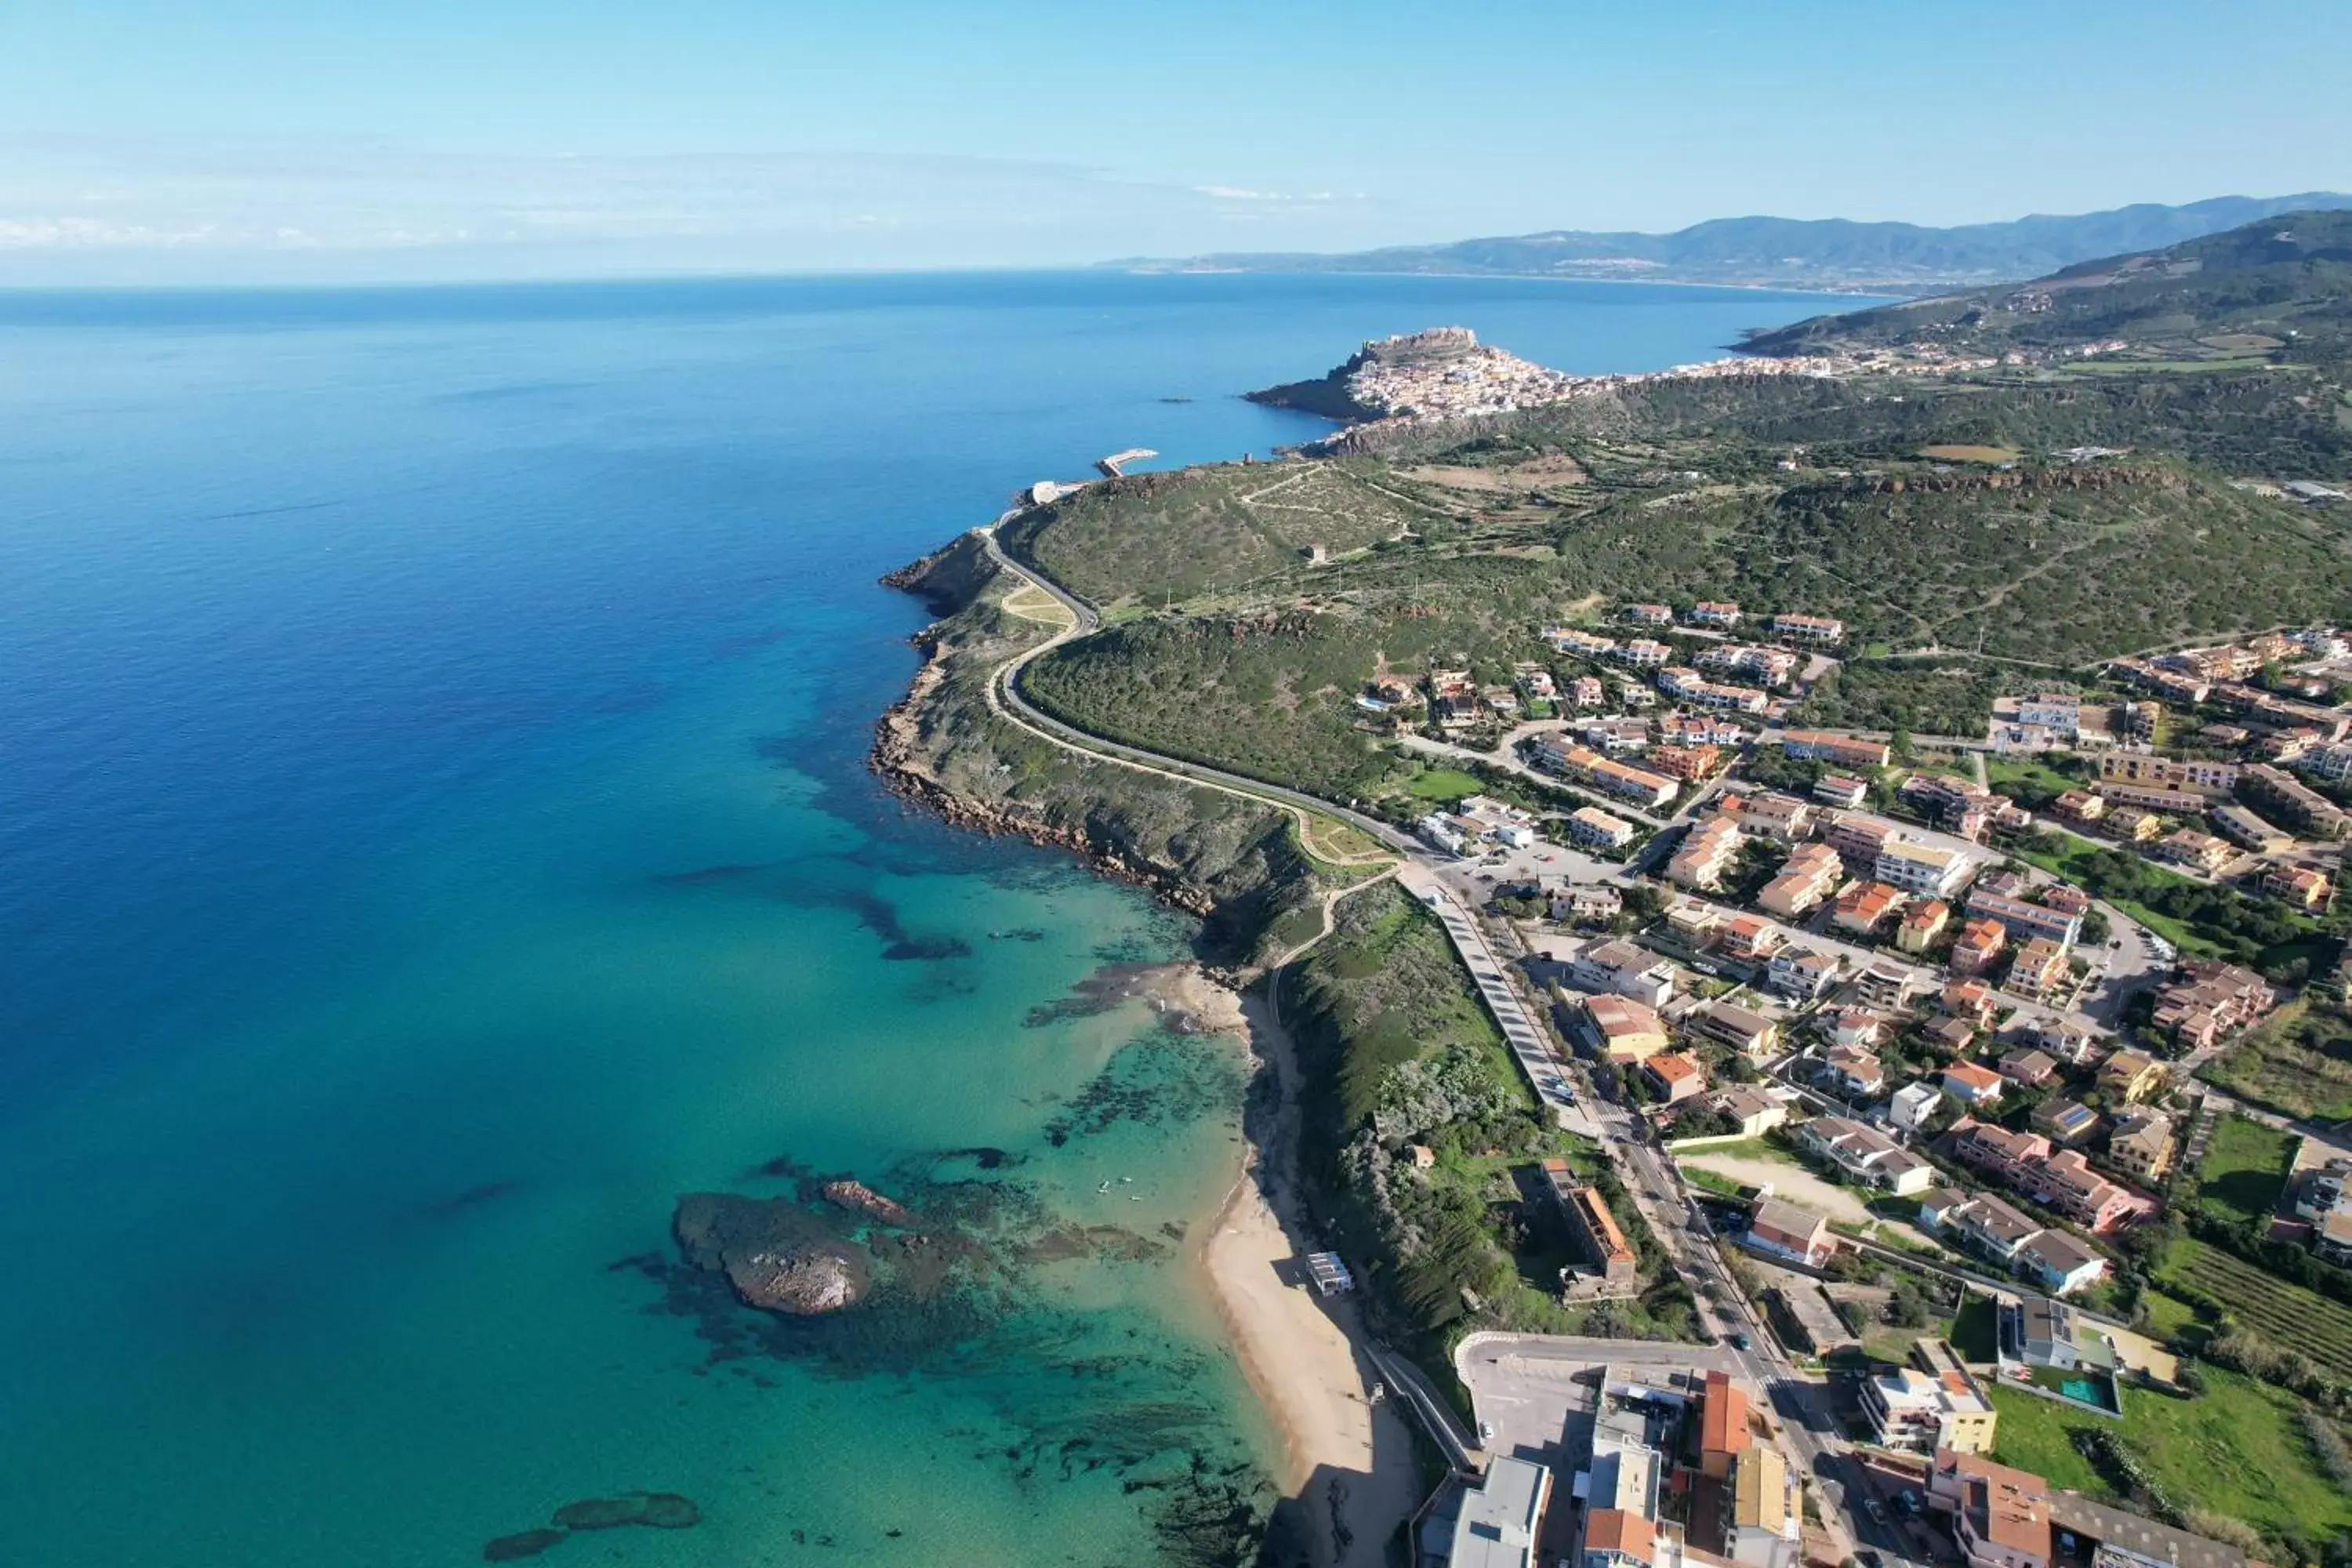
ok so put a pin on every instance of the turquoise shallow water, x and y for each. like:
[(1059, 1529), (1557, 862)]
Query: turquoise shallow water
[(435, 838)]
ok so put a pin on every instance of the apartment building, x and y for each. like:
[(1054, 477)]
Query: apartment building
[(1621, 779), (1751, 1033), (2021, 920), (1811, 872), (2297, 802), (2199, 851), (1862, 906), (2039, 969), (1801, 973), (1858, 835), (1770, 813), (1592, 826), (1844, 751), (1706, 851), (1927, 869), (2142, 1145), (1687, 685), (1820, 631), (1720, 614), (1920, 1409), (2195, 775), (2208, 1000)]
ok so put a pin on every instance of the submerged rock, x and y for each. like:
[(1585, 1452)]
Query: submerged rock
[(521, 1544), (851, 1194), (775, 1255), (660, 1510)]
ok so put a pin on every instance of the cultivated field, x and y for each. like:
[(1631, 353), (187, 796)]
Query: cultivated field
[(2286, 1315)]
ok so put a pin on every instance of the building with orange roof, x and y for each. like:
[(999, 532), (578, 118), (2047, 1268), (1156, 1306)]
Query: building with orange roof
[(2001, 1515), (1723, 1429), (1861, 907), (1979, 943), (1922, 925), (1615, 1536)]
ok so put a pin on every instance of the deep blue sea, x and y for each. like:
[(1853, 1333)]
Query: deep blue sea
[(434, 837)]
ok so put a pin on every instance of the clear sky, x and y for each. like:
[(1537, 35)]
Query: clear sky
[(155, 140)]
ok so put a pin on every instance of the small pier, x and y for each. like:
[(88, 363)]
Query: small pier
[(1115, 463)]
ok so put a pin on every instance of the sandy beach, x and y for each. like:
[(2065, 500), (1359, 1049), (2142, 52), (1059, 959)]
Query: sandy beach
[(1348, 1461)]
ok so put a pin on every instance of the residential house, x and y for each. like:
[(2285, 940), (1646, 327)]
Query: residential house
[(1866, 1154), (1688, 685), (1979, 943), (2249, 832), (1674, 1077), (1755, 1112), (2297, 885), (1921, 925), (1713, 613), (1887, 984), (2199, 851), (1854, 1071), (1586, 902), (1841, 790), (1862, 905), (2063, 1121), (2141, 1146), (2058, 1262), (1950, 804), (1971, 1001), (1751, 1033), (1801, 973), (1992, 1228), (1934, 1405), (1766, 1518), (1912, 1106), (2129, 1076), (2135, 825), (2028, 1068), (1786, 1231), (1971, 1086), (1956, 1037), (1859, 836), (1604, 773), (1751, 939), (1650, 614), (1625, 969), (1995, 1149), (1622, 1029), (1856, 1029), (2079, 805), (1688, 763), (2295, 801)]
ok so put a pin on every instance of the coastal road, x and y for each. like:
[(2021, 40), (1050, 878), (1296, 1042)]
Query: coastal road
[(1006, 686)]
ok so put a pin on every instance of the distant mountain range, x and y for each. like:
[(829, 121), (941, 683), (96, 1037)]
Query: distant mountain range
[(1831, 254)]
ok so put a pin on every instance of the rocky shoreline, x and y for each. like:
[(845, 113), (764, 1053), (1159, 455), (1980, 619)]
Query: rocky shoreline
[(895, 759)]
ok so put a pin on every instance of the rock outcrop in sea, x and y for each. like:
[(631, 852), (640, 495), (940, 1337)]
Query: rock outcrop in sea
[(776, 1255)]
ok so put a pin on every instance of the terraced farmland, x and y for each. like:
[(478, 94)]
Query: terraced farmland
[(2287, 1315)]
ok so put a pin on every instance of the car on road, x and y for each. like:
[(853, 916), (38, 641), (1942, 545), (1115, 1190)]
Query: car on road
[(1869, 1559), (1876, 1508), (1485, 1431), (1738, 1341)]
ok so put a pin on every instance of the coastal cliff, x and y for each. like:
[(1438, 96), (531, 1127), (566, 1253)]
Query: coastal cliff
[(1230, 862)]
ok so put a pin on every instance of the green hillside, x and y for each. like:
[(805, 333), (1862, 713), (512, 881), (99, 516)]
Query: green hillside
[(2278, 289)]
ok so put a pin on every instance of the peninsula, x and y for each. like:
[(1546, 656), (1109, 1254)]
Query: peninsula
[(1827, 858)]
